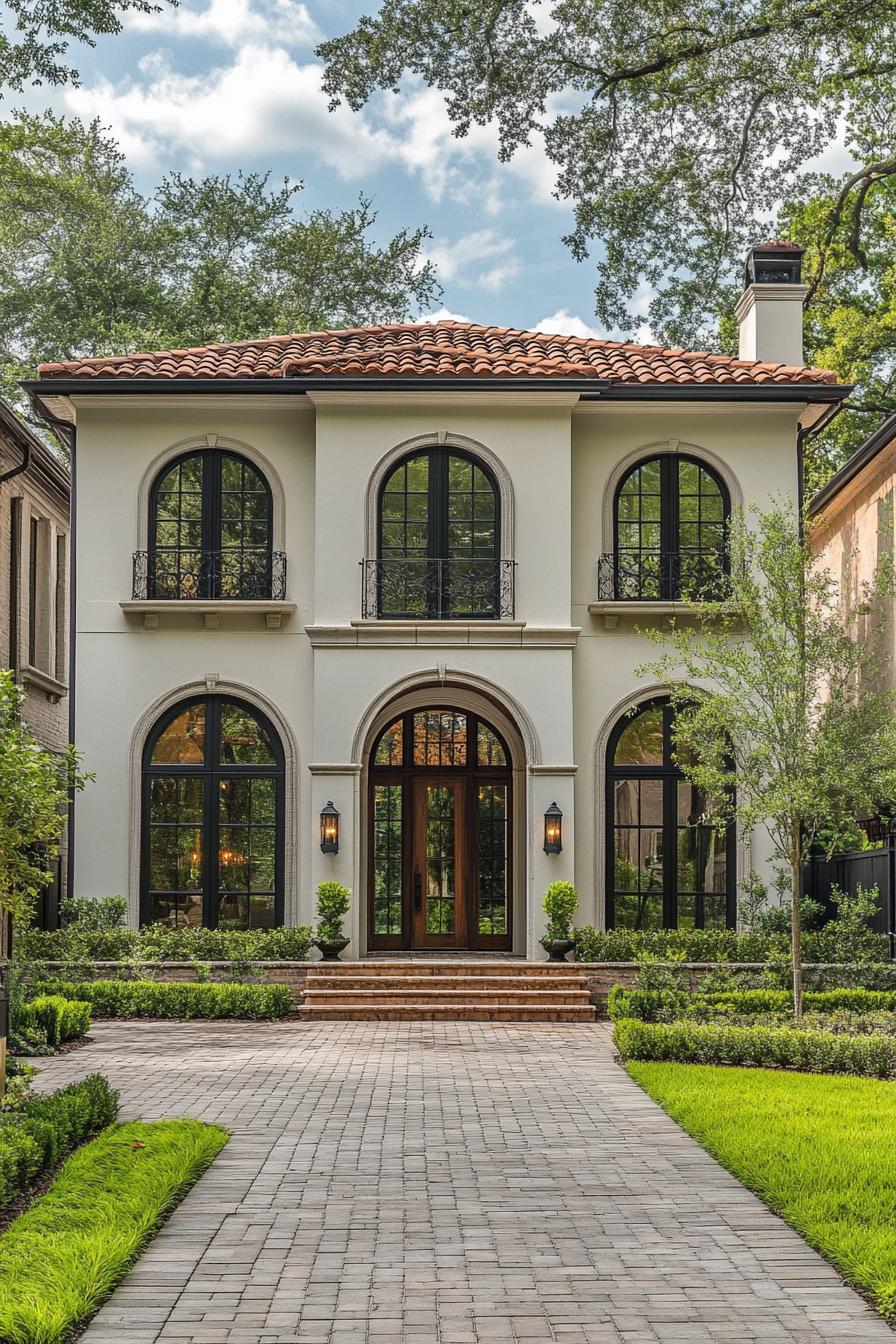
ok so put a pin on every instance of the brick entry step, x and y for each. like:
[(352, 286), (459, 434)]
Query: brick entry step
[(446, 991)]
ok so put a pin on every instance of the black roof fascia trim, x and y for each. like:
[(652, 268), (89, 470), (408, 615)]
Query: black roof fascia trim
[(865, 453), (806, 392), (62, 387)]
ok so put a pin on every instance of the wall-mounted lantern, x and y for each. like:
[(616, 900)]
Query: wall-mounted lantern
[(329, 829), (553, 830)]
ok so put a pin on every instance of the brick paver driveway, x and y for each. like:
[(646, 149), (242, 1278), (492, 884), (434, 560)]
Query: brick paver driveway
[(450, 1183)]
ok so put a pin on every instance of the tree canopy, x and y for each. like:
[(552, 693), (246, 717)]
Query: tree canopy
[(35, 35), (90, 266), (681, 136)]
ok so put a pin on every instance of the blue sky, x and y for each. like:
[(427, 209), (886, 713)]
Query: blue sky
[(218, 85)]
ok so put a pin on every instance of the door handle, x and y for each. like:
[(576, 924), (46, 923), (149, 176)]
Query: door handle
[(418, 892)]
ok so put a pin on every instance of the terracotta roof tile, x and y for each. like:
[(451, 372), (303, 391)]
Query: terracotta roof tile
[(441, 349)]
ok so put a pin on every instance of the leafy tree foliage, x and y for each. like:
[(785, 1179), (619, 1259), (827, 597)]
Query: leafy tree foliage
[(796, 730), (35, 35), (34, 789), (89, 266), (681, 135)]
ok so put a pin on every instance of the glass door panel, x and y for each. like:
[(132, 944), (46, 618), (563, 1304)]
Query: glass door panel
[(493, 860), (387, 859), (438, 878)]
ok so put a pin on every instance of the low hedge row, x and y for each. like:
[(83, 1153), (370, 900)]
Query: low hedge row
[(62, 1019), (160, 943), (769, 1047), (708, 945), (63, 1256), (154, 998), (37, 1135), (666, 1005)]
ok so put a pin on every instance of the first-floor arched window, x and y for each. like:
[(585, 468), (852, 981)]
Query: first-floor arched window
[(212, 819), (667, 865)]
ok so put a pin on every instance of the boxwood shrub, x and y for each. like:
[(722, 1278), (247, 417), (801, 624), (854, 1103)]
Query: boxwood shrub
[(771, 1047), (709, 945), (154, 998), (62, 1019), (666, 1005), (157, 942), (34, 1137)]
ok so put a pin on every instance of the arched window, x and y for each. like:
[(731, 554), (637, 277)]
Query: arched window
[(212, 835), (210, 529), (670, 522), (667, 865), (439, 531)]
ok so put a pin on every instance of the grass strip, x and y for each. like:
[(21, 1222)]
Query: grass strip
[(62, 1258), (818, 1150)]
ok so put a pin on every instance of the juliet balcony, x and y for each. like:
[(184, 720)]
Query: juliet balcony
[(647, 582), (209, 583), (462, 588)]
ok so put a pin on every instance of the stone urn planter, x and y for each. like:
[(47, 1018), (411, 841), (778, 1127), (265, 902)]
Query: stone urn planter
[(330, 948), (558, 948)]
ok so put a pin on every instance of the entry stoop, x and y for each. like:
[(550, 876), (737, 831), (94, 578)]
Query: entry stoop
[(446, 991)]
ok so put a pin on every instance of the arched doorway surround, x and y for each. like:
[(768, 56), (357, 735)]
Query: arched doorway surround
[(443, 808)]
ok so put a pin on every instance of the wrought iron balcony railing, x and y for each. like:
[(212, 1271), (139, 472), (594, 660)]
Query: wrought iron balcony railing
[(410, 588), (662, 576), (173, 574)]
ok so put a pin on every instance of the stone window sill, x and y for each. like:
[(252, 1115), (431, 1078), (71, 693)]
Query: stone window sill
[(42, 681), (648, 612), (273, 611)]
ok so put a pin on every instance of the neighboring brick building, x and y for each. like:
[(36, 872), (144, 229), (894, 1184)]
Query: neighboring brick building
[(34, 571)]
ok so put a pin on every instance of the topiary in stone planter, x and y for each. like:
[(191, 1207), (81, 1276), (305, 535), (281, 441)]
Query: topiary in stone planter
[(560, 904), (333, 903)]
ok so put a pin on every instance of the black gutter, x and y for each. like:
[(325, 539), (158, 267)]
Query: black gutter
[(15, 430), (588, 388), (882, 437), (62, 387)]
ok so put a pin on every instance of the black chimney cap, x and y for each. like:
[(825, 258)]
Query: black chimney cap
[(775, 263)]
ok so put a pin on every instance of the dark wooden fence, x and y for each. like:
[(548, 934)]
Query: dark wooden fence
[(859, 867)]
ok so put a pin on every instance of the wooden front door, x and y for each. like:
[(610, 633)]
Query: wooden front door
[(439, 834)]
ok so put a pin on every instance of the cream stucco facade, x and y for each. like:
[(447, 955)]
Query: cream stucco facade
[(553, 680)]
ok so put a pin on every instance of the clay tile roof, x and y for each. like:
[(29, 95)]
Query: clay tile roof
[(440, 349)]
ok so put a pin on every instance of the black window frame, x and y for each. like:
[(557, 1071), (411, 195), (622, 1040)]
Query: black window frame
[(211, 771), (670, 774), (438, 522), (670, 549), (210, 576)]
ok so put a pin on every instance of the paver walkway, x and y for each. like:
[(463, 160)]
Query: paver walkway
[(444, 1183)]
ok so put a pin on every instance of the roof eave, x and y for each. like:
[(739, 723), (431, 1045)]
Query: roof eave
[(875, 444)]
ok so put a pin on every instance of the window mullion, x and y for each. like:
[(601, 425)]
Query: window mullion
[(669, 523)]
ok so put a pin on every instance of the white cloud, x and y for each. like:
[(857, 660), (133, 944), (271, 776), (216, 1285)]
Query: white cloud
[(263, 99), (231, 23), (563, 323), (445, 315), (484, 257)]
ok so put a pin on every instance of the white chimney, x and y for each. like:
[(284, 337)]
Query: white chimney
[(770, 310)]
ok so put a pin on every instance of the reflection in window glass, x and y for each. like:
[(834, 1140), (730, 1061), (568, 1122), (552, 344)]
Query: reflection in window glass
[(492, 864), (387, 858), (641, 742), (183, 741), (440, 738), (243, 740), (440, 890), (390, 748), (490, 750)]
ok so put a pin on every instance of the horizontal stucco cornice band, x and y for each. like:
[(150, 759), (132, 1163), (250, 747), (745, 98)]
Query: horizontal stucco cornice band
[(439, 634), (553, 769), (335, 768), (190, 399)]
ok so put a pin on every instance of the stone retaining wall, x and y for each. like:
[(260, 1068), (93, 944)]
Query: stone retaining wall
[(601, 976)]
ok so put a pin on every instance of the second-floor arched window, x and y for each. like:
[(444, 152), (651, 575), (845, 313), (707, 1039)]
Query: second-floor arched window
[(438, 536), (670, 521), (210, 529)]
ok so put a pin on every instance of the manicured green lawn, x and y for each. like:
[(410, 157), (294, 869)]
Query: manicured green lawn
[(60, 1259), (820, 1150)]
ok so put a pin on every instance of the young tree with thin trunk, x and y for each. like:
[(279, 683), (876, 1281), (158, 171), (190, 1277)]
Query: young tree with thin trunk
[(35, 786), (793, 726)]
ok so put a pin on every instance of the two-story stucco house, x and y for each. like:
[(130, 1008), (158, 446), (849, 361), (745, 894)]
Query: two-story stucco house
[(362, 605)]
